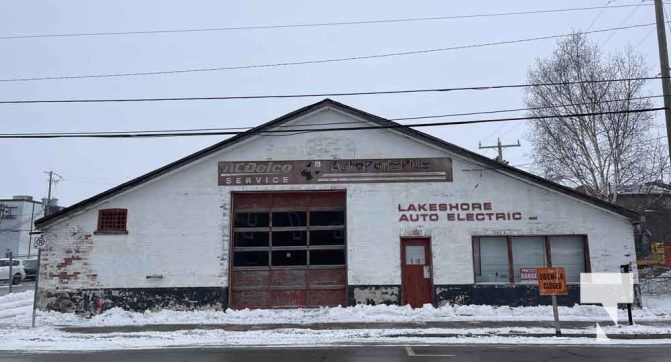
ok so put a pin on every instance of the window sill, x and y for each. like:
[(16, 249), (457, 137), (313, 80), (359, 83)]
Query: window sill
[(518, 284), (494, 283), (118, 232)]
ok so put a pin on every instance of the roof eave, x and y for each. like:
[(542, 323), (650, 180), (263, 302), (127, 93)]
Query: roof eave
[(361, 114)]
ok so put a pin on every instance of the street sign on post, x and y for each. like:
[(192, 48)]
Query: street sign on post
[(552, 281), (40, 242)]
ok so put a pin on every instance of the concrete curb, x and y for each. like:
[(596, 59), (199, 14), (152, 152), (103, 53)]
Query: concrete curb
[(587, 325), (535, 335)]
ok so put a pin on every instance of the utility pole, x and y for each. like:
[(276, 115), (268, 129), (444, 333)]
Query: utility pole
[(52, 180), (30, 233), (664, 64), (47, 210), (500, 148)]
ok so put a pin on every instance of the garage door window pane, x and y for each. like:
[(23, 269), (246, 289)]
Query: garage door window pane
[(568, 253), (493, 260), (289, 257), (327, 237), (289, 219), (528, 252), (250, 258), (250, 239), (251, 219), (290, 238), (327, 218), (327, 257)]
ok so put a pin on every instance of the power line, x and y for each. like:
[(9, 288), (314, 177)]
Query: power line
[(306, 130), (521, 109), (448, 115), (310, 25), (331, 94), (666, 16), (314, 61), (633, 11), (603, 8), (644, 38)]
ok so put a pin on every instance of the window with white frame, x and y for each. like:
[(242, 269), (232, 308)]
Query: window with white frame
[(514, 259)]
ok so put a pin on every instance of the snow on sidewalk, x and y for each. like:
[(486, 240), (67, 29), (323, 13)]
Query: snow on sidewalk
[(16, 334), (42, 339), (16, 309)]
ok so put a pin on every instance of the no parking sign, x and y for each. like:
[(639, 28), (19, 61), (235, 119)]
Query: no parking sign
[(41, 242)]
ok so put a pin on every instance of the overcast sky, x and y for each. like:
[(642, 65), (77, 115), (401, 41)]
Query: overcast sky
[(90, 166)]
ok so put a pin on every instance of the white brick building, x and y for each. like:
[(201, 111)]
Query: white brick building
[(17, 216), (383, 214)]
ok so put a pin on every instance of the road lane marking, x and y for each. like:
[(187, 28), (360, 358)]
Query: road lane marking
[(411, 353)]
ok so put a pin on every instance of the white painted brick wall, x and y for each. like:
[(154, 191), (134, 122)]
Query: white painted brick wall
[(178, 224)]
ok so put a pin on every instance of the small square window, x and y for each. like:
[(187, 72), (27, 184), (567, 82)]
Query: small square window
[(112, 221)]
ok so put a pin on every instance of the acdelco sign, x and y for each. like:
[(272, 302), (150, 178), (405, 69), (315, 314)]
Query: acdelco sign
[(255, 167), (335, 171), (255, 173)]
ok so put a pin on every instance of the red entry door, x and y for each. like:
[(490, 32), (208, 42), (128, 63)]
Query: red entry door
[(416, 288)]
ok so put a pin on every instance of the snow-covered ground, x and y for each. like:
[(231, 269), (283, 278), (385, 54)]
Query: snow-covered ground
[(15, 310), (658, 302), (16, 334)]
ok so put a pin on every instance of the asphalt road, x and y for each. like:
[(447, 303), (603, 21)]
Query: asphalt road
[(25, 285), (465, 353)]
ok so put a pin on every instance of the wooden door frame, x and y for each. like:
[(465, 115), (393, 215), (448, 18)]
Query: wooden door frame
[(430, 251)]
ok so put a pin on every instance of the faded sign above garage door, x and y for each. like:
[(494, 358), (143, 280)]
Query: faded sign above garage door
[(335, 171)]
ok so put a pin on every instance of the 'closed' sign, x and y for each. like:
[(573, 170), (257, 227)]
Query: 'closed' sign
[(552, 281)]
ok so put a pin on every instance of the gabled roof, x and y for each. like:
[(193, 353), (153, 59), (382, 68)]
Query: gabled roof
[(329, 103)]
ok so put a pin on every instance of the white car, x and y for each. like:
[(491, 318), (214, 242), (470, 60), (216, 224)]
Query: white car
[(17, 270)]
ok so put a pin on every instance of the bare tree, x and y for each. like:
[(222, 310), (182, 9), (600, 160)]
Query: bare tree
[(603, 153)]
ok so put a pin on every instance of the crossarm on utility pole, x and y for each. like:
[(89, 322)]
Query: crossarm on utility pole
[(500, 148)]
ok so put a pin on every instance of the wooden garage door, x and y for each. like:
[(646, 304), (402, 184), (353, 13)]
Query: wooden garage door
[(289, 250)]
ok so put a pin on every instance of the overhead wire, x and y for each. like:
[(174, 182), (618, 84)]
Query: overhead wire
[(532, 163), (432, 116), (633, 11), (603, 8), (667, 23), (644, 38), (312, 61), (521, 109), (322, 24), (306, 130), (442, 115), (666, 26), (327, 94)]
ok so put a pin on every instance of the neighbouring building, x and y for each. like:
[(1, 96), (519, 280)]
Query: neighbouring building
[(653, 239), (340, 208), (17, 216)]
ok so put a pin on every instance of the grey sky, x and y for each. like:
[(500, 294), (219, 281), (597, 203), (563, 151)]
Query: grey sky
[(90, 166)]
